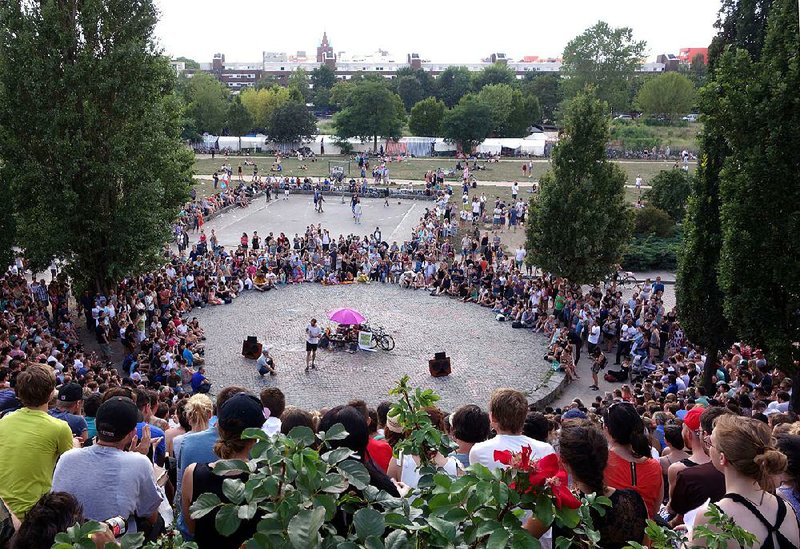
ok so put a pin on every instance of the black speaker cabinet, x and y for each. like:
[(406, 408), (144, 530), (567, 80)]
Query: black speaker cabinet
[(251, 348), (440, 367)]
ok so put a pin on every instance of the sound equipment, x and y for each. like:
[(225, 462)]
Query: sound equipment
[(251, 348), (439, 365)]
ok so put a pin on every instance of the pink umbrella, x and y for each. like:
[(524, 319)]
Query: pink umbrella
[(346, 316)]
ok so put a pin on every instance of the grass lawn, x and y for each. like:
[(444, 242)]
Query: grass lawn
[(414, 169)]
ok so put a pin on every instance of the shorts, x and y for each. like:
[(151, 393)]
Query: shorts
[(596, 368), (311, 346)]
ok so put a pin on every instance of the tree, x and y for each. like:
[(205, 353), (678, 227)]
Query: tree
[(409, 90), (468, 123), (426, 117), (262, 103), (453, 84), (323, 78), (579, 225), (604, 58), (758, 113), (299, 81), (91, 137), (669, 191), (498, 98), (742, 25), (291, 122), (207, 102), (370, 109), (547, 89), (669, 94), (239, 121), (190, 64), (496, 73)]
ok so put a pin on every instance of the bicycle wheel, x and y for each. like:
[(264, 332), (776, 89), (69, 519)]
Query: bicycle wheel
[(386, 342), (629, 281)]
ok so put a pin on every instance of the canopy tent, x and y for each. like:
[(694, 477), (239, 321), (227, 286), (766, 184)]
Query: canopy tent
[(419, 146), (228, 142), (210, 141), (256, 142), (442, 146)]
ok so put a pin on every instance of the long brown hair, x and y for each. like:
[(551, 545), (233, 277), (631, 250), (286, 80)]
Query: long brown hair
[(749, 447)]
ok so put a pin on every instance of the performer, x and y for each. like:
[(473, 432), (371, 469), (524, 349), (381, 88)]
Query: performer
[(313, 334), (265, 363)]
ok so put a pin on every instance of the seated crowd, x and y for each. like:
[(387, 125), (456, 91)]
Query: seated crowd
[(658, 447)]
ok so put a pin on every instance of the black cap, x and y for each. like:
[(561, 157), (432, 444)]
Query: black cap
[(115, 418), (71, 392), (241, 412)]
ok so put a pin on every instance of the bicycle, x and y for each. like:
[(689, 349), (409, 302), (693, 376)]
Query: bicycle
[(623, 279), (381, 339)]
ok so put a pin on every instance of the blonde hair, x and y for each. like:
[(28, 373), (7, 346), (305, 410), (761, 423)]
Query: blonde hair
[(749, 447), (199, 409)]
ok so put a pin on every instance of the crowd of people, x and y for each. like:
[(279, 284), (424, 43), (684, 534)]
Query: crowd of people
[(136, 413)]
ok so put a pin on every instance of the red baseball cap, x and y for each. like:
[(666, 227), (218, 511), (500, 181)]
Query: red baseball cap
[(692, 419)]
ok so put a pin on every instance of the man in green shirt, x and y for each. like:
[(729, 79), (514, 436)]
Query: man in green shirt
[(31, 441)]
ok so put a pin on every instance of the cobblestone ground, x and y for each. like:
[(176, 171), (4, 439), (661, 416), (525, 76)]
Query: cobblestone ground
[(485, 354)]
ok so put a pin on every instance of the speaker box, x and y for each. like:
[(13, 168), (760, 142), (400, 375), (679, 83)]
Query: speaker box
[(251, 348), (439, 367)]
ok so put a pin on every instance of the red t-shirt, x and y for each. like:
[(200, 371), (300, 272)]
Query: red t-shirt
[(380, 452), (645, 477)]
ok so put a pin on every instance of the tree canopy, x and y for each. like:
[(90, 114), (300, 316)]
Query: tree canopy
[(291, 121), (453, 84), (368, 109), (91, 136), (604, 58), (579, 224), (426, 117), (207, 103), (468, 123), (669, 191), (669, 95)]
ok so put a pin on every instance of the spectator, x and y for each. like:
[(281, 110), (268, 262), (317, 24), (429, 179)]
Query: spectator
[(274, 402), (743, 450), (469, 425), (31, 442), (134, 494), (378, 451), (789, 481), (68, 408)]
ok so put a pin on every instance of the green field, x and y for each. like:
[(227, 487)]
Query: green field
[(506, 170)]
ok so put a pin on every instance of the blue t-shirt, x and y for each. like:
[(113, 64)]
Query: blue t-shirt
[(76, 423), (90, 423), (188, 356), (197, 381), (155, 432)]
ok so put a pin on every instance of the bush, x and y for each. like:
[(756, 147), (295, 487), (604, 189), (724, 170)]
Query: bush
[(675, 123), (670, 191), (651, 253), (652, 221)]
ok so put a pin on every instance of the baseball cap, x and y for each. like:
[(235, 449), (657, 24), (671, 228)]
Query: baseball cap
[(240, 412), (692, 419), (71, 392), (115, 418), (574, 413)]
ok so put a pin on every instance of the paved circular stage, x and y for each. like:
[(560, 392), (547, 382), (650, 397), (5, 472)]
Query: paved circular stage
[(485, 354)]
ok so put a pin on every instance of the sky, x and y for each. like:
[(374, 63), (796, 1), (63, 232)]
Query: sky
[(441, 31)]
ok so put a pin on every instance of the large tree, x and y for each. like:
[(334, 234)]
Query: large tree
[(90, 141), (453, 84), (669, 95), (579, 225), (292, 122), (468, 123), (547, 89), (323, 78), (426, 117), (759, 115), (207, 102), (742, 25), (669, 191), (496, 73), (299, 81), (369, 109), (604, 58), (261, 103), (238, 121)]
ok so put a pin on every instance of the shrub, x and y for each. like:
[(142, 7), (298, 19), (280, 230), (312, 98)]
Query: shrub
[(670, 191), (651, 253), (652, 221)]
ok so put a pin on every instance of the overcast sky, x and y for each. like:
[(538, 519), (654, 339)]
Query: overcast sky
[(442, 31)]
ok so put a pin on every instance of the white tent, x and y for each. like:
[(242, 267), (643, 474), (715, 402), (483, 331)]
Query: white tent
[(443, 146), (257, 142), (210, 141), (228, 142), (534, 144)]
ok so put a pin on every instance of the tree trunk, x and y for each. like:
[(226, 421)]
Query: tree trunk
[(709, 370), (794, 402), (375, 143)]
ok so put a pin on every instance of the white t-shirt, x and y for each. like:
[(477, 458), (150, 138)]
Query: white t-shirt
[(483, 452), (312, 334), (594, 335)]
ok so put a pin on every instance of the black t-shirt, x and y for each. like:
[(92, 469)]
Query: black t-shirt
[(205, 533), (694, 485)]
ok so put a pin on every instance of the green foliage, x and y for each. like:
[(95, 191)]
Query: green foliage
[(760, 187), (291, 122), (191, 64), (453, 84), (669, 95), (238, 121), (580, 223), (413, 85), (669, 191), (299, 81), (652, 221), (512, 113), (468, 123), (547, 89), (426, 117), (369, 109), (262, 103), (633, 137), (720, 531), (605, 59), (90, 136), (652, 253), (494, 74), (207, 103), (323, 77)]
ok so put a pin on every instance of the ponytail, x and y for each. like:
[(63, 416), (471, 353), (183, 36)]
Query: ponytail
[(770, 462), (640, 444)]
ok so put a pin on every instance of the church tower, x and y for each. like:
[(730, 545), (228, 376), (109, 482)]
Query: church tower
[(324, 50)]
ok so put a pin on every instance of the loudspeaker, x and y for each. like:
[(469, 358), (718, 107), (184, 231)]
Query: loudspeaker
[(440, 356), (439, 367), (251, 348)]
